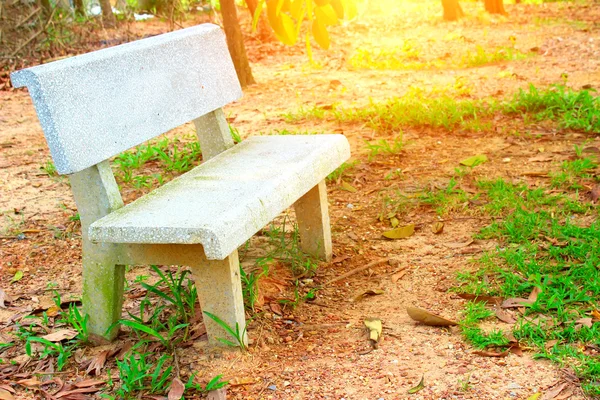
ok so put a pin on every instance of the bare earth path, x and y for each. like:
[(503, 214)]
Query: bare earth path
[(320, 350)]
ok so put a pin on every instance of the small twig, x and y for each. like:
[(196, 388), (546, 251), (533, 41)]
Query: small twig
[(27, 17), (34, 35), (356, 270)]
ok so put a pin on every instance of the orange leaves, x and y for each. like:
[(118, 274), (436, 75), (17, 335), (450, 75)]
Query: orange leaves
[(287, 17)]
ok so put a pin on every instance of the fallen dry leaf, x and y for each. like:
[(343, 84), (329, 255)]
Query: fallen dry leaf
[(89, 383), (534, 294), (241, 381), (30, 382), (176, 390), (4, 298), (60, 335), (551, 394), (398, 275), (400, 233), (491, 353), (596, 315), (595, 193), (458, 245), (437, 227), (541, 158), (505, 316), (587, 322), (97, 363), (219, 394), (276, 308), (375, 328), (6, 395), (339, 259), (428, 318), (474, 161), (348, 187), (368, 292)]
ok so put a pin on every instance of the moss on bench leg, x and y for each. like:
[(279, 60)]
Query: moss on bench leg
[(102, 297), (220, 293), (312, 213)]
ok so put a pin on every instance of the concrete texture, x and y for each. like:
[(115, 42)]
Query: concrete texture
[(223, 202), (96, 105)]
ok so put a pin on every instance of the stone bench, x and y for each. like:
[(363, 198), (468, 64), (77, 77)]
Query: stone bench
[(97, 105)]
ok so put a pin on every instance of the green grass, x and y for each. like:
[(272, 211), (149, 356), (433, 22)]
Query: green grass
[(543, 247), (446, 110)]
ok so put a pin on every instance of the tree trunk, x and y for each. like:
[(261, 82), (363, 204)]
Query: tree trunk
[(452, 10), (494, 7), (235, 42), (263, 29), (108, 18)]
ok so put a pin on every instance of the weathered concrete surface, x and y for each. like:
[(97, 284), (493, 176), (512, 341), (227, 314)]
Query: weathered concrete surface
[(223, 202), (96, 105), (312, 214)]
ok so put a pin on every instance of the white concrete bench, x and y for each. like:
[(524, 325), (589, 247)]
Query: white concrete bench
[(94, 106)]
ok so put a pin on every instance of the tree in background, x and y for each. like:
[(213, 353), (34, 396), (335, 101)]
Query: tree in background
[(453, 11), (235, 42), (108, 18)]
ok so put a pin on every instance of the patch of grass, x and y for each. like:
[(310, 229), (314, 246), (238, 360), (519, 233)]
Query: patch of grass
[(443, 201), (571, 172), (544, 249), (578, 110), (234, 333), (473, 314), (49, 168), (342, 170), (383, 146), (483, 56)]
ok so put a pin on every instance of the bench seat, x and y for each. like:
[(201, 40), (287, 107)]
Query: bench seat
[(224, 201)]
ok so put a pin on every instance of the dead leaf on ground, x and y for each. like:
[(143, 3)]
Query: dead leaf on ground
[(17, 277), (458, 245), (176, 390), (515, 302), (6, 395), (427, 318), (399, 275), (339, 259), (375, 327), (474, 161), (417, 388), (596, 315), (595, 193), (485, 353), (219, 394), (505, 316), (581, 322), (534, 294), (368, 292), (59, 336), (541, 158), (241, 381), (97, 363), (4, 298), (491, 300), (30, 382), (551, 394), (401, 232), (437, 227), (276, 308), (89, 383), (348, 187)]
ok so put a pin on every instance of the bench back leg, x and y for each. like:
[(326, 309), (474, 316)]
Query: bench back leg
[(312, 213), (220, 293), (213, 134), (97, 194)]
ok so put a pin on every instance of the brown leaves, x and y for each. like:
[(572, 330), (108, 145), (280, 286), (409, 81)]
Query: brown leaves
[(516, 302), (485, 353), (437, 227), (595, 193), (59, 336), (505, 316), (375, 327), (367, 293), (427, 318), (458, 245), (4, 298), (400, 232), (176, 390)]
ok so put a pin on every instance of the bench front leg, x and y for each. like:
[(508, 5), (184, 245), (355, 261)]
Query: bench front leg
[(312, 214), (219, 289), (103, 283)]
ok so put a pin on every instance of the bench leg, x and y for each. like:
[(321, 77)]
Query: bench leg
[(220, 293), (312, 213), (102, 297)]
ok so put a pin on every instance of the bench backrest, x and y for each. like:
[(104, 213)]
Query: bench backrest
[(96, 105)]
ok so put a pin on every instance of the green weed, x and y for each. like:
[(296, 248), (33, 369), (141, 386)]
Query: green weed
[(237, 334), (382, 146), (342, 171), (49, 168)]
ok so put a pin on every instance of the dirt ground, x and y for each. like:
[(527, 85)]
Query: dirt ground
[(320, 349)]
